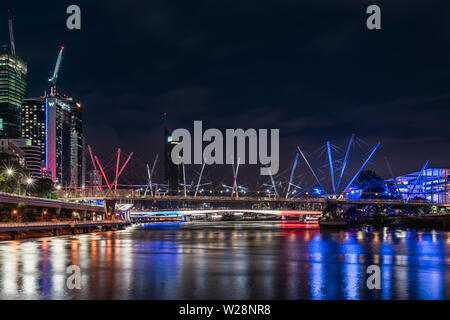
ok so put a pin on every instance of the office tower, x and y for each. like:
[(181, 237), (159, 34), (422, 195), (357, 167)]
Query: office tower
[(34, 124), (13, 72), (55, 125), (77, 146), (172, 172)]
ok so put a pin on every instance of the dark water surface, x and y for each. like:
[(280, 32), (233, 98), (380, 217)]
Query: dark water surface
[(229, 260)]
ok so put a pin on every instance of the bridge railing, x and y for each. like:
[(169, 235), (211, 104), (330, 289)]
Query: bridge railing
[(49, 225), (133, 194), (15, 198), (137, 194)]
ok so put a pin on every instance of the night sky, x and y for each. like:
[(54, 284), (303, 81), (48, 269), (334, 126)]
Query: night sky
[(309, 68)]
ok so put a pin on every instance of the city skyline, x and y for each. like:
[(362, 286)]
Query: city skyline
[(223, 77), (221, 157)]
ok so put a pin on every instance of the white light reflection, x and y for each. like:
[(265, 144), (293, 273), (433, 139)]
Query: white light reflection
[(58, 258), (30, 273), (9, 272)]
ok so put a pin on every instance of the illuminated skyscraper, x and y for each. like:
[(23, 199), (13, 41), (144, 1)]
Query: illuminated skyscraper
[(77, 146), (55, 125), (13, 72), (172, 171)]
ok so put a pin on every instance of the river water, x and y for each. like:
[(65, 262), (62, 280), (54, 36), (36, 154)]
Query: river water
[(229, 260)]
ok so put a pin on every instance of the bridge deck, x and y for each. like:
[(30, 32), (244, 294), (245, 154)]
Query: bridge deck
[(46, 203), (136, 195)]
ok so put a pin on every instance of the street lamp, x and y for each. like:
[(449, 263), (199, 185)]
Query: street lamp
[(29, 181), (10, 172), (13, 213)]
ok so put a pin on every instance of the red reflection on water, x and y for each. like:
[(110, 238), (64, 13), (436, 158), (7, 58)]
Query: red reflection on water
[(299, 225)]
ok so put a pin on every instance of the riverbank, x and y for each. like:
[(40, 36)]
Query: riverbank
[(438, 222), (15, 231)]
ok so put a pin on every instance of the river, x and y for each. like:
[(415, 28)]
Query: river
[(229, 260)]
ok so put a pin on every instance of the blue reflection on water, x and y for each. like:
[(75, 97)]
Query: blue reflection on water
[(235, 260), (161, 225)]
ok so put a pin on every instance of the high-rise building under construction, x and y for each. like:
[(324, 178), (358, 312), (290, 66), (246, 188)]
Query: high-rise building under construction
[(172, 171), (13, 72)]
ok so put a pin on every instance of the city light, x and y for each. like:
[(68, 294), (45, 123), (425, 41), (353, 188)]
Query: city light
[(333, 222)]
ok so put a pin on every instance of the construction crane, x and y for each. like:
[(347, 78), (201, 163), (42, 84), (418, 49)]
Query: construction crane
[(55, 72), (11, 33)]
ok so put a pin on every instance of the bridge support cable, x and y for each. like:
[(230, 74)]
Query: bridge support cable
[(199, 178), (292, 176), (330, 160), (184, 180), (394, 179), (362, 166), (417, 180), (296, 186), (103, 173), (312, 170), (347, 153), (117, 169), (124, 165), (149, 183), (95, 167), (150, 175), (273, 184), (235, 173)]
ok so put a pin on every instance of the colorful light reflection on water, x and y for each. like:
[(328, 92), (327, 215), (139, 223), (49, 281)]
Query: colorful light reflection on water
[(229, 260)]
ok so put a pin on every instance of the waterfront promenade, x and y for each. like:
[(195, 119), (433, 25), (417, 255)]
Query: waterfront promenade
[(5, 227)]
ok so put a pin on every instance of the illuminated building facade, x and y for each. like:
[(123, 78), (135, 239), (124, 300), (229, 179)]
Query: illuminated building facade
[(28, 155), (54, 124), (13, 72), (34, 123), (432, 185), (172, 172), (77, 159)]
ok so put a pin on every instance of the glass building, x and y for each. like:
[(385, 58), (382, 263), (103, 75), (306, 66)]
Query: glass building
[(77, 146), (433, 184), (13, 72), (55, 125)]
